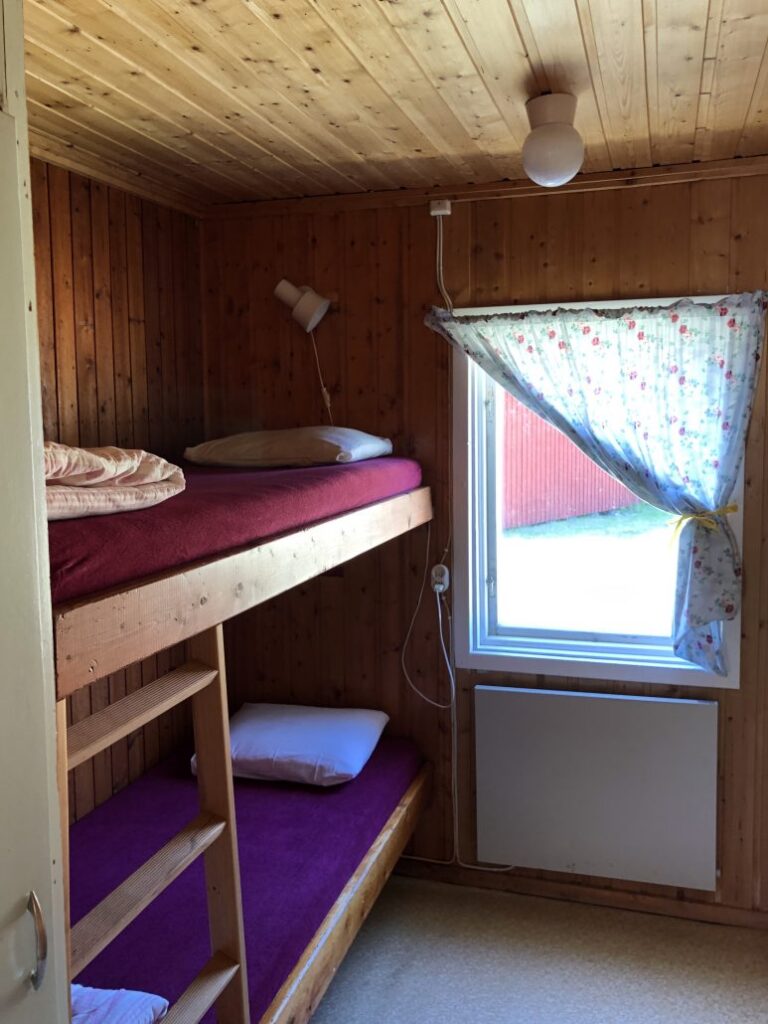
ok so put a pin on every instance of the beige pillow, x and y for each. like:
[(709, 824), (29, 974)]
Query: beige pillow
[(302, 446)]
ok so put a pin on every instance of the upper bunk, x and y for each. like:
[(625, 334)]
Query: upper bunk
[(126, 586)]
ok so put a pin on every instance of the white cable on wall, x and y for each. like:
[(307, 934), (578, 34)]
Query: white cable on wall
[(449, 537), (441, 604), (439, 261), (403, 650), (439, 266), (446, 649), (323, 389)]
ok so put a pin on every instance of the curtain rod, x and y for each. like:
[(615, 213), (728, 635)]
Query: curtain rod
[(541, 307)]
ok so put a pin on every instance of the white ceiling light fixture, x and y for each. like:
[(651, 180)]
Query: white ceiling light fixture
[(554, 151), (306, 306)]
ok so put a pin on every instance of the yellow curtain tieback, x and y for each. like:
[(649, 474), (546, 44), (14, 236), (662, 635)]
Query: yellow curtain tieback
[(707, 519)]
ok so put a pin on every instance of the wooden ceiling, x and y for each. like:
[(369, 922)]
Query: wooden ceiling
[(209, 101)]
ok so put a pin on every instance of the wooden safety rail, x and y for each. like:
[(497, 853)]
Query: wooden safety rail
[(102, 634)]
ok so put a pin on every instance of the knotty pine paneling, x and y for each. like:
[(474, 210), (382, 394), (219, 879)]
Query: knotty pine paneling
[(337, 639), (197, 102), (118, 289), (119, 320)]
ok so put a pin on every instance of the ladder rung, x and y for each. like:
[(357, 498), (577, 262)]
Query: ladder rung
[(116, 911), (203, 992), (99, 731)]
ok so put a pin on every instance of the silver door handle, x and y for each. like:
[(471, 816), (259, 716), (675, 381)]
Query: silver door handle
[(41, 940)]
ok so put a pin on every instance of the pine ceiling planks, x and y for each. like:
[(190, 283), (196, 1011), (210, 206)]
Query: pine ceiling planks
[(613, 36), (116, 53), (209, 101), (553, 38), (674, 51), (737, 60)]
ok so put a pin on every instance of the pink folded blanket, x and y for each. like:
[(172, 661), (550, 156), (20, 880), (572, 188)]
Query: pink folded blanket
[(101, 481)]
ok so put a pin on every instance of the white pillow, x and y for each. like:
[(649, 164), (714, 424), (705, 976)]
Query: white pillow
[(301, 446), (291, 743), (103, 1006)]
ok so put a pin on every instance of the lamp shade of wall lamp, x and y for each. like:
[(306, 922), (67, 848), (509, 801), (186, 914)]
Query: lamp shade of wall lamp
[(554, 151), (306, 306)]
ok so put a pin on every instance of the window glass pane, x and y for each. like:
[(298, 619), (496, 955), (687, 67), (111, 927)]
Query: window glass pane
[(575, 550)]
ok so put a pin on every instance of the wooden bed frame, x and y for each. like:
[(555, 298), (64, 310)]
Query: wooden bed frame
[(97, 636), (305, 986)]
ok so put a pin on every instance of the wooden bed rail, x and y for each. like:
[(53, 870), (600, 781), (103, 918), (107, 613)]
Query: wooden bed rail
[(212, 834), (97, 636), (301, 992)]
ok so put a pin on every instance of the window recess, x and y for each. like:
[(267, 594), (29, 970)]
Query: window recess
[(558, 568)]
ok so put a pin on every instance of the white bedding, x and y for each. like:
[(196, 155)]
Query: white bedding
[(101, 481), (102, 1006)]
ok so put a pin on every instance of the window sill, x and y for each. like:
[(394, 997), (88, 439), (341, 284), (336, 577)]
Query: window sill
[(664, 671)]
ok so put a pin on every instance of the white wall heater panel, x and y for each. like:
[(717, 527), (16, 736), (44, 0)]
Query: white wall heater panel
[(622, 787)]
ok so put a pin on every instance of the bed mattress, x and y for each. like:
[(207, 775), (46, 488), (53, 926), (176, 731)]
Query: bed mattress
[(220, 511), (298, 848)]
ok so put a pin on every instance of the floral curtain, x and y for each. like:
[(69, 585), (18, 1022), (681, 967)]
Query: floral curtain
[(660, 397)]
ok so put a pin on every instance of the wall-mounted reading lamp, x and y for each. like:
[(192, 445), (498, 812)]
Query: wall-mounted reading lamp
[(307, 309), (306, 306)]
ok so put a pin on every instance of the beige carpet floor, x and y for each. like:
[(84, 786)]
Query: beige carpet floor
[(438, 954)]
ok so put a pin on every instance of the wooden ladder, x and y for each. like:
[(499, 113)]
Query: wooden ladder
[(223, 981)]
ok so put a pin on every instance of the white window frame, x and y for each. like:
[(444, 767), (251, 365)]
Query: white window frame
[(479, 649)]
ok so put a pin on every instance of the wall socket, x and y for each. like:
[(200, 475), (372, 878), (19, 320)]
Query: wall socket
[(441, 578)]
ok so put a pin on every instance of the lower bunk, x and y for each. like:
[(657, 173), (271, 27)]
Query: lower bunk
[(312, 862)]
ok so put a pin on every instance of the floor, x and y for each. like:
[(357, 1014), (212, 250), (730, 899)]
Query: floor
[(436, 954)]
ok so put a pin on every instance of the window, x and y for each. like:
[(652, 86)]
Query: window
[(559, 568)]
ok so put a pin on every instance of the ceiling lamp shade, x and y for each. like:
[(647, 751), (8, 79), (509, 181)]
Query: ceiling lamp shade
[(306, 306), (554, 151)]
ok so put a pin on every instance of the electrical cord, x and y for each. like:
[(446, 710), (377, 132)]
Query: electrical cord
[(448, 656), (440, 600), (439, 265), (446, 649), (449, 538), (323, 389), (403, 650), (449, 304)]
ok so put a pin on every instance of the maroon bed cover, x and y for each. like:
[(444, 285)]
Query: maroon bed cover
[(220, 510)]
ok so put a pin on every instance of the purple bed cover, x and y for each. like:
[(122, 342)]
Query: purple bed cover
[(298, 848)]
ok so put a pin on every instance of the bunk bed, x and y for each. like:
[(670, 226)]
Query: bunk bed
[(232, 541)]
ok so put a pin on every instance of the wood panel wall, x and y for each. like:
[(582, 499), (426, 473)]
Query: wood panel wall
[(337, 640), (118, 290)]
